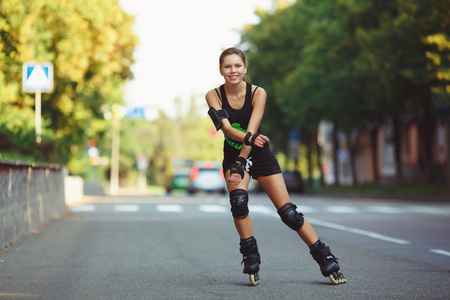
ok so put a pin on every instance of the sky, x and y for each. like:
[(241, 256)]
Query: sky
[(179, 47)]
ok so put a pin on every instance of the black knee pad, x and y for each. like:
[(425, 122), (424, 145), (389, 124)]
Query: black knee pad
[(239, 203), (291, 217)]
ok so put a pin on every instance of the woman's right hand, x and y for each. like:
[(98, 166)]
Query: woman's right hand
[(235, 178)]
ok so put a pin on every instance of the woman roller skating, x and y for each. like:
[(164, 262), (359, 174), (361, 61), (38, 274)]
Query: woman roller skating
[(237, 108)]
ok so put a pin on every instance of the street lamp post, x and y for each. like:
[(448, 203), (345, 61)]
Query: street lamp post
[(114, 189)]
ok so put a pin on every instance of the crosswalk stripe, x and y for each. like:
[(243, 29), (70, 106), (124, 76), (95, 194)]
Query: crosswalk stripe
[(213, 208), (262, 209), (83, 208), (169, 208), (306, 209), (386, 209), (342, 209), (270, 210), (126, 207), (429, 210)]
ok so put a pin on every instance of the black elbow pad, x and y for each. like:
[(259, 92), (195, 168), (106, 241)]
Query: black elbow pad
[(217, 116)]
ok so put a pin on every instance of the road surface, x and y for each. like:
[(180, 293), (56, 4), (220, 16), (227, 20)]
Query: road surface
[(186, 247)]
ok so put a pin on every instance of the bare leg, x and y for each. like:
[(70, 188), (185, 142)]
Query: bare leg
[(244, 227), (276, 190)]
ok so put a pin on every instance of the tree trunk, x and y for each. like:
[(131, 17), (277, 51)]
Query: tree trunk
[(353, 147), (374, 144), (448, 151), (335, 155), (310, 173), (398, 149), (427, 134), (319, 163)]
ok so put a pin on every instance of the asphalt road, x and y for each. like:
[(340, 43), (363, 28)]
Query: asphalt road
[(141, 247)]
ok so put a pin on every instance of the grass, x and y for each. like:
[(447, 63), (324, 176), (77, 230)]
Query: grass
[(396, 190), (156, 190)]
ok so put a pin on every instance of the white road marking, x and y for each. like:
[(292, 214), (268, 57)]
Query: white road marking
[(439, 251), (386, 209), (126, 207), (342, 209), (83, 208), (169, 208), (262, 209), (270, 211), (370, 234), (429, 210), (306, 209), (211, 208)]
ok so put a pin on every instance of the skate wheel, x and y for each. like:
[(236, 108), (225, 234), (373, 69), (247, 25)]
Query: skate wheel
[(337, 278), (254, 279)]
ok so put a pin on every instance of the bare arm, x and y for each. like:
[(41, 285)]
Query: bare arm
[(259, 102)]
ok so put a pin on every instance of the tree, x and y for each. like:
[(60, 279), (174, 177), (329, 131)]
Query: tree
[(90, 44), (305, 55), (358, 64), (399, 58)]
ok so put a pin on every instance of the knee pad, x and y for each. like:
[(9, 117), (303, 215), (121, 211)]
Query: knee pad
[(291, 217), (239, 203)]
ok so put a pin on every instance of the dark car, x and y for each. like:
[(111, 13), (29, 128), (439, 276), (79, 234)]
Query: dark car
[(294, 181), (207, 176), (178, 172), (179, 180)]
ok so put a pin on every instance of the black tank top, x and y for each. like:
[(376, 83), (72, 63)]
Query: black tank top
[(239, 118)]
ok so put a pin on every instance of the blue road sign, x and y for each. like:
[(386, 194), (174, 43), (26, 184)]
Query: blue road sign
[(135, 112), (37, 77)]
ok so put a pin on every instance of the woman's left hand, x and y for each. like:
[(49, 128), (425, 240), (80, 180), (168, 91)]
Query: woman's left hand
[(235, 178), (261, 140)]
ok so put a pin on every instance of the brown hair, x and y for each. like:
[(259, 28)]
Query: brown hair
[(230, 51), (234, 50)]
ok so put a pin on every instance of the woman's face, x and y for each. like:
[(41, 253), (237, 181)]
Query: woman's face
[(233, 69)]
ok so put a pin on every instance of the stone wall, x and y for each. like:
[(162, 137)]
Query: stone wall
[(30, 194)]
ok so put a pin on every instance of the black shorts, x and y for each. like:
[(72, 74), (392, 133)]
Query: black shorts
[(264, 162)]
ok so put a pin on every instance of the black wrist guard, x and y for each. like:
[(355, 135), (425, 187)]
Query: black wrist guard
[(251, 142), (246, 138), (241, 160), (237, 167)]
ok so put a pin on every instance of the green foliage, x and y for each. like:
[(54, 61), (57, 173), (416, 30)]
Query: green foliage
[(192, 136), (350, 62), (90, 44)]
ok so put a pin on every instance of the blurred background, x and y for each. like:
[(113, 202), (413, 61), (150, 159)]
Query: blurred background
[(358, 91)]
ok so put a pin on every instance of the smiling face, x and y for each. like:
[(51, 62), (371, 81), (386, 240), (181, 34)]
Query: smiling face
[(233, 69)]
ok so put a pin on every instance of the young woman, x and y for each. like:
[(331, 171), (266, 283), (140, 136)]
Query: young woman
[(237, 108)]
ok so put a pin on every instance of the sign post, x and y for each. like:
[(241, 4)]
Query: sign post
[(37, 78), (117, 114), (142, 166), (294, 138)]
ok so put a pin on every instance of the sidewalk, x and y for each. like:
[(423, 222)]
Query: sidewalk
[(390, 198)]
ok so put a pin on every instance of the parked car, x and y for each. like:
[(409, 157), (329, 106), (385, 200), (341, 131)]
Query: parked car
[(207, 176), (179, 180), (294, 181), (178, 172)]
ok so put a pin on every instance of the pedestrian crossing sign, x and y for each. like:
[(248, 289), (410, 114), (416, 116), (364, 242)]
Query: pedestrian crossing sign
[(37, 77)]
